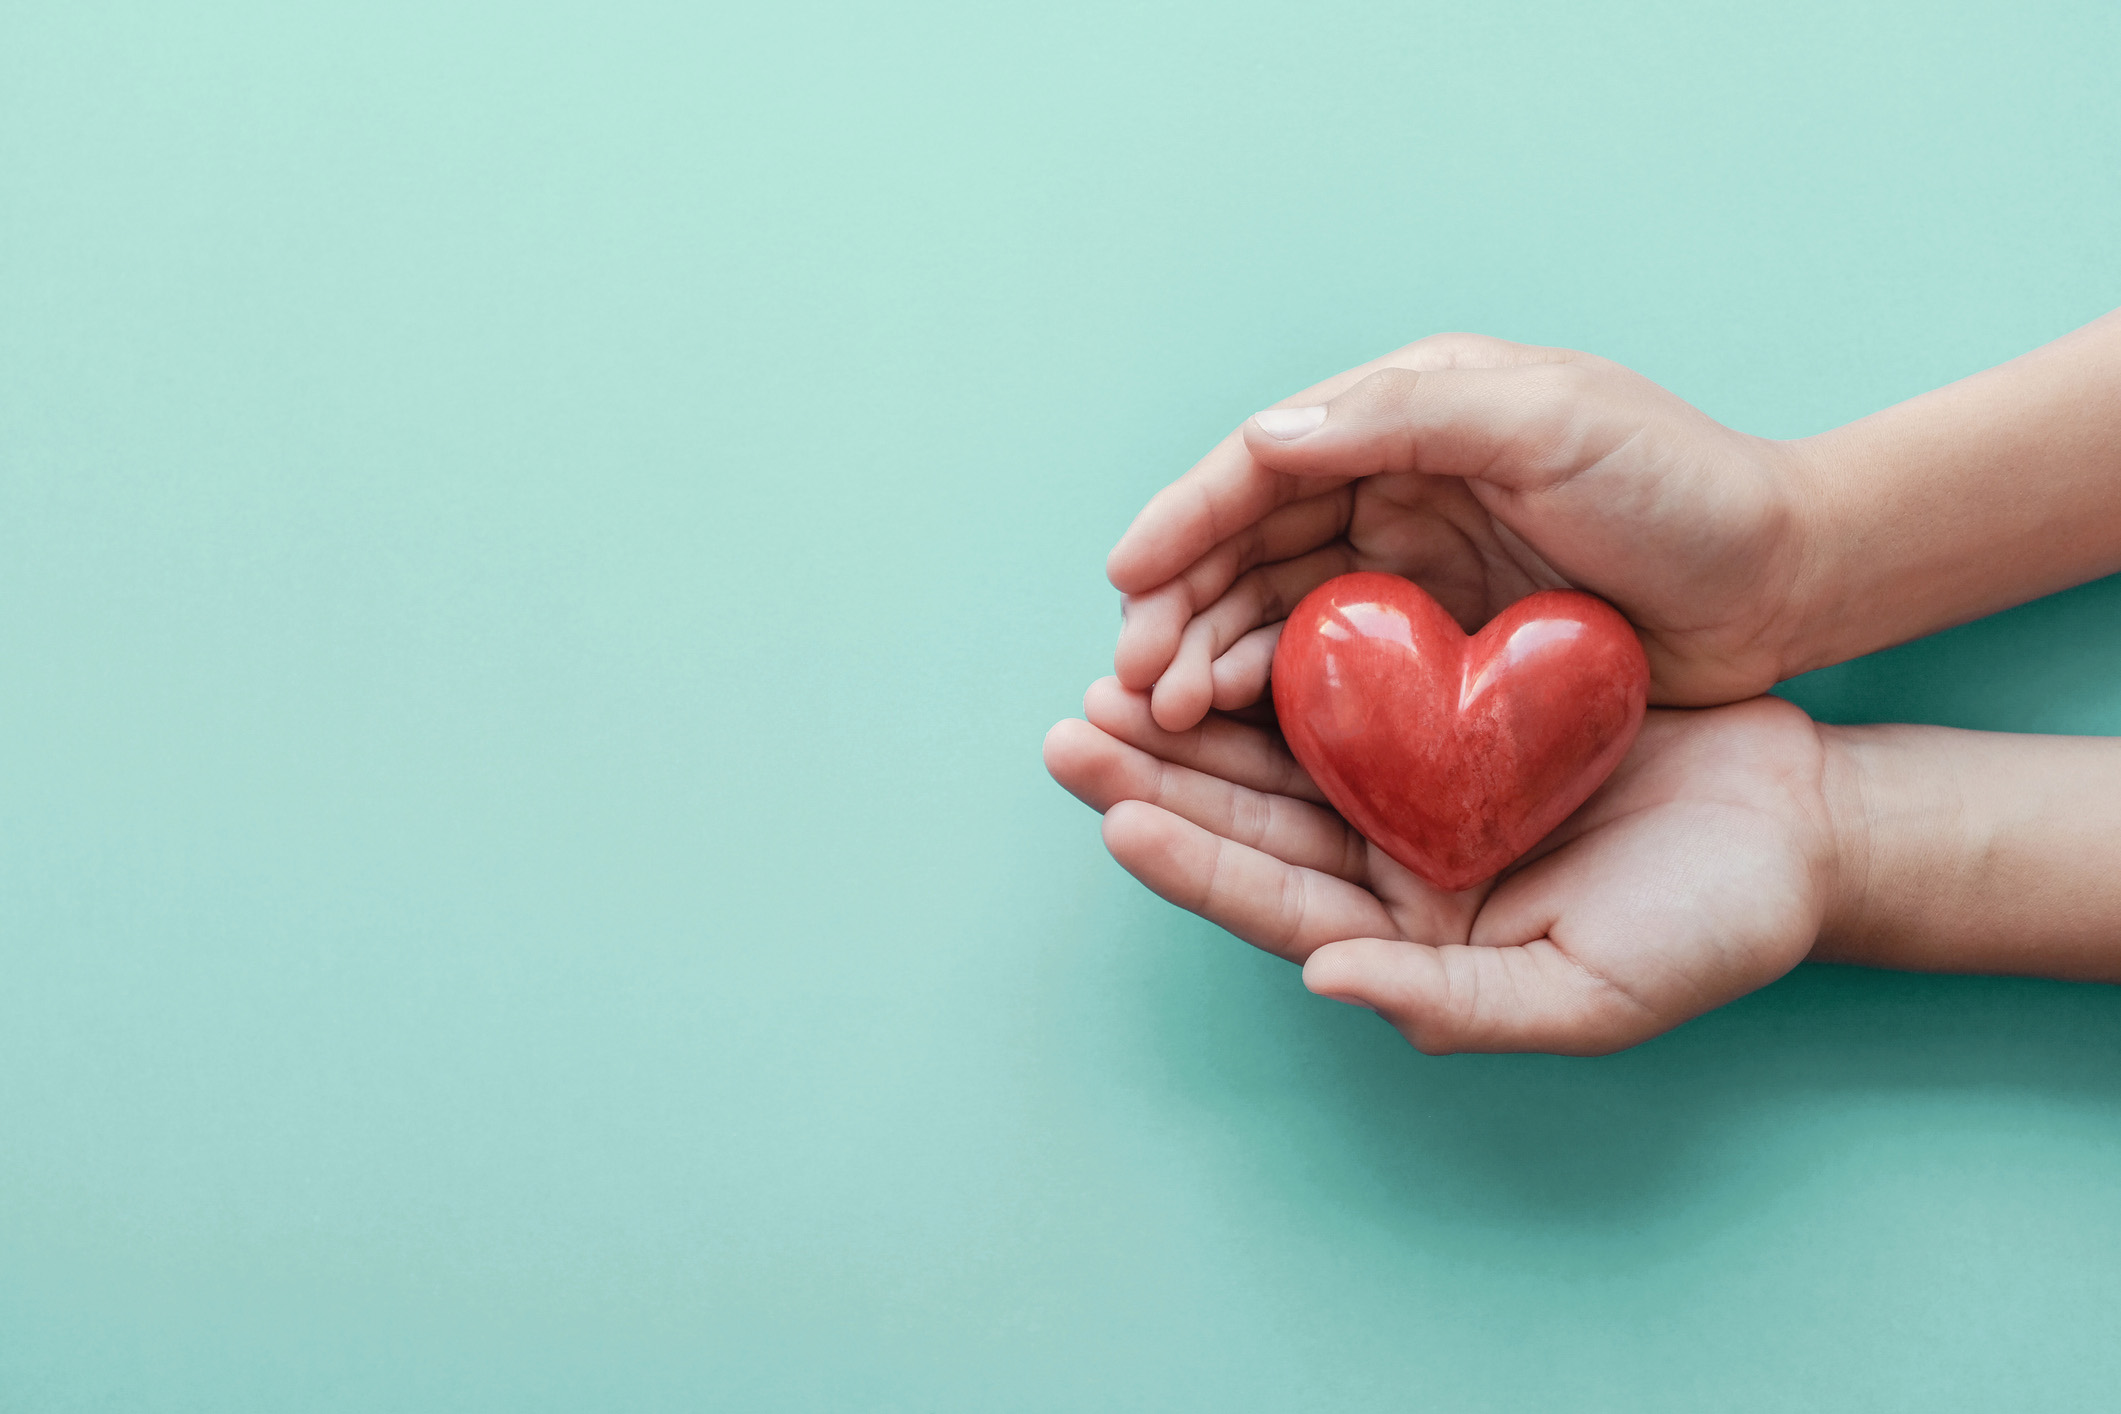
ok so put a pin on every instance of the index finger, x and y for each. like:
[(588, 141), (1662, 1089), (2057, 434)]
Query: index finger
[(1221, 494), (1227, 490)]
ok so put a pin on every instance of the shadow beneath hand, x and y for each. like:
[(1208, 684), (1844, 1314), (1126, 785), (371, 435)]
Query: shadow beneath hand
[(2053, 665), (1663, 1143)]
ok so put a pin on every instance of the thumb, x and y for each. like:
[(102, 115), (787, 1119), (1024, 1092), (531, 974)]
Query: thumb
[(1524, 427), (1462, 997)]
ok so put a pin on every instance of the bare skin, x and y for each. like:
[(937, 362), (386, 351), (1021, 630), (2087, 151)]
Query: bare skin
[(1484, 470), (1701, 870), (1978, 852), (1733, 842)]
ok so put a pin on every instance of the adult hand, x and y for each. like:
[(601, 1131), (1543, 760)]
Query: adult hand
[(1483, 471), (1701, 870)]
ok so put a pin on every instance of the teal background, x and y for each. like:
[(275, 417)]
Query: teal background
[(537, 547)]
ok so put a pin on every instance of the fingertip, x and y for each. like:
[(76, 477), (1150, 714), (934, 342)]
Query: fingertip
[(1063, 743), (1283, 425), (1131, 829), (1106, 699), (1122, 569), (1264, 449), (1096, 767), (1394, 979), (1070, 754), (1231, 696), (1333, 970), (1177, 706), (1235, 691), (1241, 676), (1132, 675), (1327, 973), (1131, 566), (1136, 664), (1149, 636), (1295, 450)]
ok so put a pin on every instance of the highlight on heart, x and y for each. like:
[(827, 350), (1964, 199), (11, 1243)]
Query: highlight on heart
[(1455, 754)]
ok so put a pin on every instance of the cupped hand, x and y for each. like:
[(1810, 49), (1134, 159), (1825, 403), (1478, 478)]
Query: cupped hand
[(1700, 871), (1483, 471)]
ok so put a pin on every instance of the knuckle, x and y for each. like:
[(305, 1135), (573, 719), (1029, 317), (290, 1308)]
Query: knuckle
[(1354, 856), (1386, 388), (1565, 383), (1449, 348), (1295, 904)]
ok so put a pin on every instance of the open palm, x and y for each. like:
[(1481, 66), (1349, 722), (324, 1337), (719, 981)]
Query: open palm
[(1693, 876)]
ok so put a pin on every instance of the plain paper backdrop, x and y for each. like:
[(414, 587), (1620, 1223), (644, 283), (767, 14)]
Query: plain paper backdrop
[(537, 546)]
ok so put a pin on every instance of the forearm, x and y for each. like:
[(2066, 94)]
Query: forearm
[(1997, 489), (1959, 851)]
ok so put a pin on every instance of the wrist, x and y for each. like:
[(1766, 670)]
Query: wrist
[(1907, 845), (1849, 789), (1825, 538), (1958, 851)]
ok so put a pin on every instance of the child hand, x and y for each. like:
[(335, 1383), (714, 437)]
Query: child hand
[(1731, 842), (1483, 471), (1701, 870)]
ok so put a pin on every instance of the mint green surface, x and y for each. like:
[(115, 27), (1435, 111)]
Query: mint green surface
[(536, 551)]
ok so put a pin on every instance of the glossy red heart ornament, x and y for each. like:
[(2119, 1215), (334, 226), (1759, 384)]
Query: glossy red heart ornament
[(1456, 754)]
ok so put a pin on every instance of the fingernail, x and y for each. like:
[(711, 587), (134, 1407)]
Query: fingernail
[(1286, 424)]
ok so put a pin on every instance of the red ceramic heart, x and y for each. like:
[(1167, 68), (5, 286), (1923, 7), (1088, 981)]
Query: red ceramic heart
[(1456, 754)]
